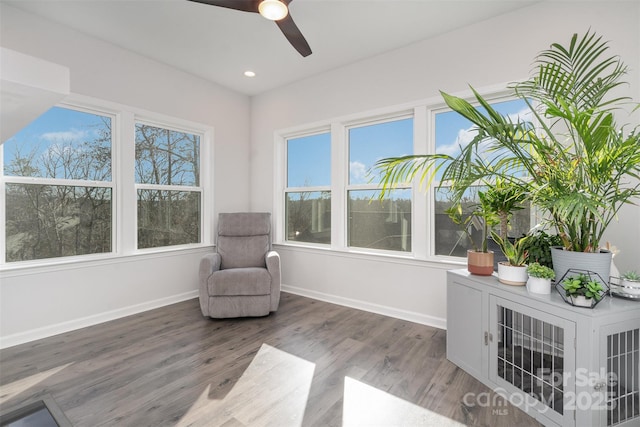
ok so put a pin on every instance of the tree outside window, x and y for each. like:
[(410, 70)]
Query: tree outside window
[(308, 190), (167, 170), (374, 223), (57, 182)]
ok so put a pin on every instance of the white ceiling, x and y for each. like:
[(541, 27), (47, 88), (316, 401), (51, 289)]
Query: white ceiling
[(219, 44)]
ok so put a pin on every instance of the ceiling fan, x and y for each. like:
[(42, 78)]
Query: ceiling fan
[(274, 10)]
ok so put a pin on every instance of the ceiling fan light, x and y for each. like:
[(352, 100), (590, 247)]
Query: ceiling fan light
[(273, 10)]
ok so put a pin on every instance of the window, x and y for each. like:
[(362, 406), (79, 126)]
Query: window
[(329, 190), (452, 132), (373, 223), (167, 171), (58, 187), (308, 189), (72, 181)]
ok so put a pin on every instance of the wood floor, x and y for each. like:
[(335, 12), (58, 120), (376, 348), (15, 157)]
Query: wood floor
[(310, 364)]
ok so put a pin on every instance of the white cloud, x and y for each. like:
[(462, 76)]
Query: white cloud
[(524, 115), (358, 172), (68, 135), (464, 137)]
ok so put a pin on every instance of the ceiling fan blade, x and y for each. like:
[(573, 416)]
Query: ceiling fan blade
[(293, 34), (243, 5)]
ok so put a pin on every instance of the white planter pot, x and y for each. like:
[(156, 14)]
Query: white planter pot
[(538, 285), (511, 275), (627, 288), (581, 301), (631, 287)]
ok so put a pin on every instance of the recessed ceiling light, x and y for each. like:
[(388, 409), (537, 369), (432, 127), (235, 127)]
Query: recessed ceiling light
[(249, 74)]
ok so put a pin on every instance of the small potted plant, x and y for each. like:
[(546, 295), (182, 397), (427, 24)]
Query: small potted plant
[(540, 278), (629, 285), (513, 271), (582, 290), (480, 258)]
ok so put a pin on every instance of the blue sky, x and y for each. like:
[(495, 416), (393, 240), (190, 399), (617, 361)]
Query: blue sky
[(309, 161), (368, 144), (309, 157), (58, 126), (453, 130)]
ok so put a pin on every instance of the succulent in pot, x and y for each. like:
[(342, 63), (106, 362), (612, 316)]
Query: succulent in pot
[(631, 276), (540, 278), (583, 290), (537, 270), (628, 286)]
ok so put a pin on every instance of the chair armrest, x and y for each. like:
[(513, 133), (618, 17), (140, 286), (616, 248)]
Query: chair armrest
[(208, 264), (272, 260)]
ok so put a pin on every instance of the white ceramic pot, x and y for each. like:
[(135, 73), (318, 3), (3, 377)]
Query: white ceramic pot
[(627, 288), (511, 275), (538, 285), (581, 301)]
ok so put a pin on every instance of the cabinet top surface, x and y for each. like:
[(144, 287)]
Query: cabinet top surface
[(605, 307)]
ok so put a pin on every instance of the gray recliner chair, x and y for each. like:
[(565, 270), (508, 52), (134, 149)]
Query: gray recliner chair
[(243, 278)]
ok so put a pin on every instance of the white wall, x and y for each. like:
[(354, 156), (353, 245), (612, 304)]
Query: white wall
[(39, 302), (492, 52)]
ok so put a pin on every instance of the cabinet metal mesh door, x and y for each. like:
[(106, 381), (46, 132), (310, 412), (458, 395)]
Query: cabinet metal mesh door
[(623, 364), (530, 354)]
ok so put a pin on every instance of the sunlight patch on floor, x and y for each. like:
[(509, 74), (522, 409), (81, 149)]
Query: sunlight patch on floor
[(367, 406), (8, 391), (273, 390)]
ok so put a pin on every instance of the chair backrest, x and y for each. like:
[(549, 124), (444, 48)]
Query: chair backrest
[(244, 238)]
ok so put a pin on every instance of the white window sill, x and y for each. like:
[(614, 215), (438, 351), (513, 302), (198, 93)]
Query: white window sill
[(400, 258), (87, 261)]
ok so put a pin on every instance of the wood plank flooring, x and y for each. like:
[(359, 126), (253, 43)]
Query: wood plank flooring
[(310, 364)]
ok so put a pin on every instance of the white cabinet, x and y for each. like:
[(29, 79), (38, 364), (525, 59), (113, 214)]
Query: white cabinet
[(470, 328), (563, 365)]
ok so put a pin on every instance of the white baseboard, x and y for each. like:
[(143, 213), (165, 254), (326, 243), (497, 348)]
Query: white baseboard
[(59, 328), (410, 316)]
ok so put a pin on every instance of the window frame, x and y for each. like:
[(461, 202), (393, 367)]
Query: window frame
[(124, 193), (492, 98), (423, 204), (112, 184), (348, 187), (340, 178), (145, 120), (281, 226)]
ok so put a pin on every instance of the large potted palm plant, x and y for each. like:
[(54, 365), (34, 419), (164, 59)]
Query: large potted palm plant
[(576, 163)]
